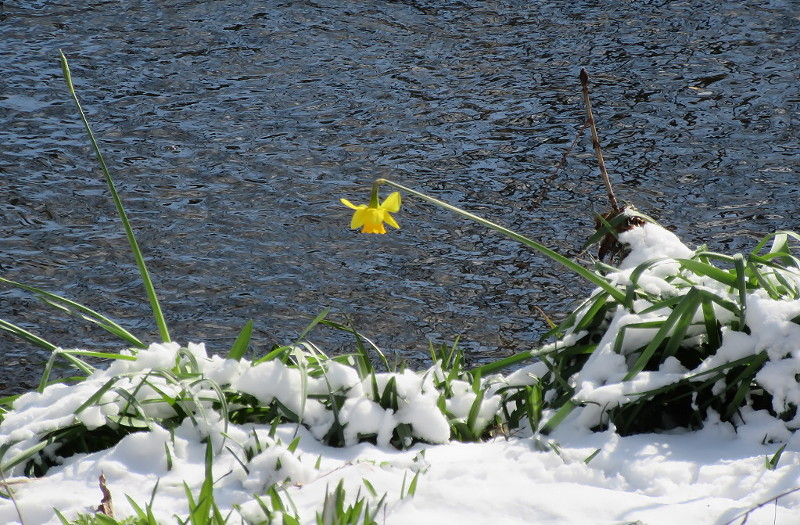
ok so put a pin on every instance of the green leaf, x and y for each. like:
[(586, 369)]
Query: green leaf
[(681, 316), (94, 398), (370, 488), (772, 463), (560, 415), (533, 405), (708, 270), (591, 456), (26, 335), (412, 487), (239, 347), (474, 412)]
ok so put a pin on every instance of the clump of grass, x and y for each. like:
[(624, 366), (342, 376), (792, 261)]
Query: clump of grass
[(701, 303), (337, 511)]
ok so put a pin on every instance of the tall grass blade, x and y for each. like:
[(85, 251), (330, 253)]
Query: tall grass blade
[(137, 253), (506, 362), (81, 365), (713, 334)]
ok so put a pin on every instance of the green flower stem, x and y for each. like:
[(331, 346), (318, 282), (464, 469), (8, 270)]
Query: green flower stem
[(137, 253), (547, 252), (374, 200)]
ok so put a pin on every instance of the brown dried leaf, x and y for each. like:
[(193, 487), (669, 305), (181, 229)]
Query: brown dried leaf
[(610, 245), (105, 504)]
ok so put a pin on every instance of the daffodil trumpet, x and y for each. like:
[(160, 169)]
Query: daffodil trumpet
[(372, 217)]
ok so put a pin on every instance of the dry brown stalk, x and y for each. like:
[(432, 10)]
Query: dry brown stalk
[(584, 76)]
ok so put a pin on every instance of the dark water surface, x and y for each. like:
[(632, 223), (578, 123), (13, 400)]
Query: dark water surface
[(233, 127)]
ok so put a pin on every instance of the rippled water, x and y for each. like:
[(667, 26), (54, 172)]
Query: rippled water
[(233, 127)]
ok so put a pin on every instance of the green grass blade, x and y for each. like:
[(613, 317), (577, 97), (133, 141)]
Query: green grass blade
[(589, 317), (504, 363), (591, 456), (201, 512), (137, 253), (314, 322), (361, 348), (708, 270), (619, 341), (683, 311), (606, 228), (780, 242), (81, 365), (94, 398), (61, 517), (82, 311), (100, 355), (762, 280), (533, 405), (26, 335), (741, 286), (560, 415), (472, 417), (711, 324), (370, 488), (743, 379), (24, 455), (239, 347), (772, 463)]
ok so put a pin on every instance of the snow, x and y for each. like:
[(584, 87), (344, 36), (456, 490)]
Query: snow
[(573, 476), (709, 476)]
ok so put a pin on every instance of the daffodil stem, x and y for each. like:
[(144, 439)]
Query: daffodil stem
[(553, 255), (374, 201)]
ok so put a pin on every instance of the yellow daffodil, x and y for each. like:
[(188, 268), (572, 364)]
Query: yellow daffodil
[(371, 218)]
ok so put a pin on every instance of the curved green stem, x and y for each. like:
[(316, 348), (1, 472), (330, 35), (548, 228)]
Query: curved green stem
[(547, 252)]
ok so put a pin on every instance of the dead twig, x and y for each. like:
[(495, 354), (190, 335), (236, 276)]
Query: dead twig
[(607, 221), (546, 183), (774, 499), (7, 485), (584, 76)]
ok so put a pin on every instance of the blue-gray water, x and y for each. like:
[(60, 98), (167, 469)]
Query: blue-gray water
[(233, 127)]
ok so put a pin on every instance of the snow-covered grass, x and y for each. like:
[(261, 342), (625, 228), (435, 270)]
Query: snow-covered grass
[(670, 394), (145, 420)]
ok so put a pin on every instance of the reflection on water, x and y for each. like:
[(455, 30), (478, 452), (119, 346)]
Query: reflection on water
[(233, 127)]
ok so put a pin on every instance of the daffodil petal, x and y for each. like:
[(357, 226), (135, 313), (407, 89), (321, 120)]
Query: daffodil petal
[(392, 202), (349, 204), (359, 217), (388, 219)]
